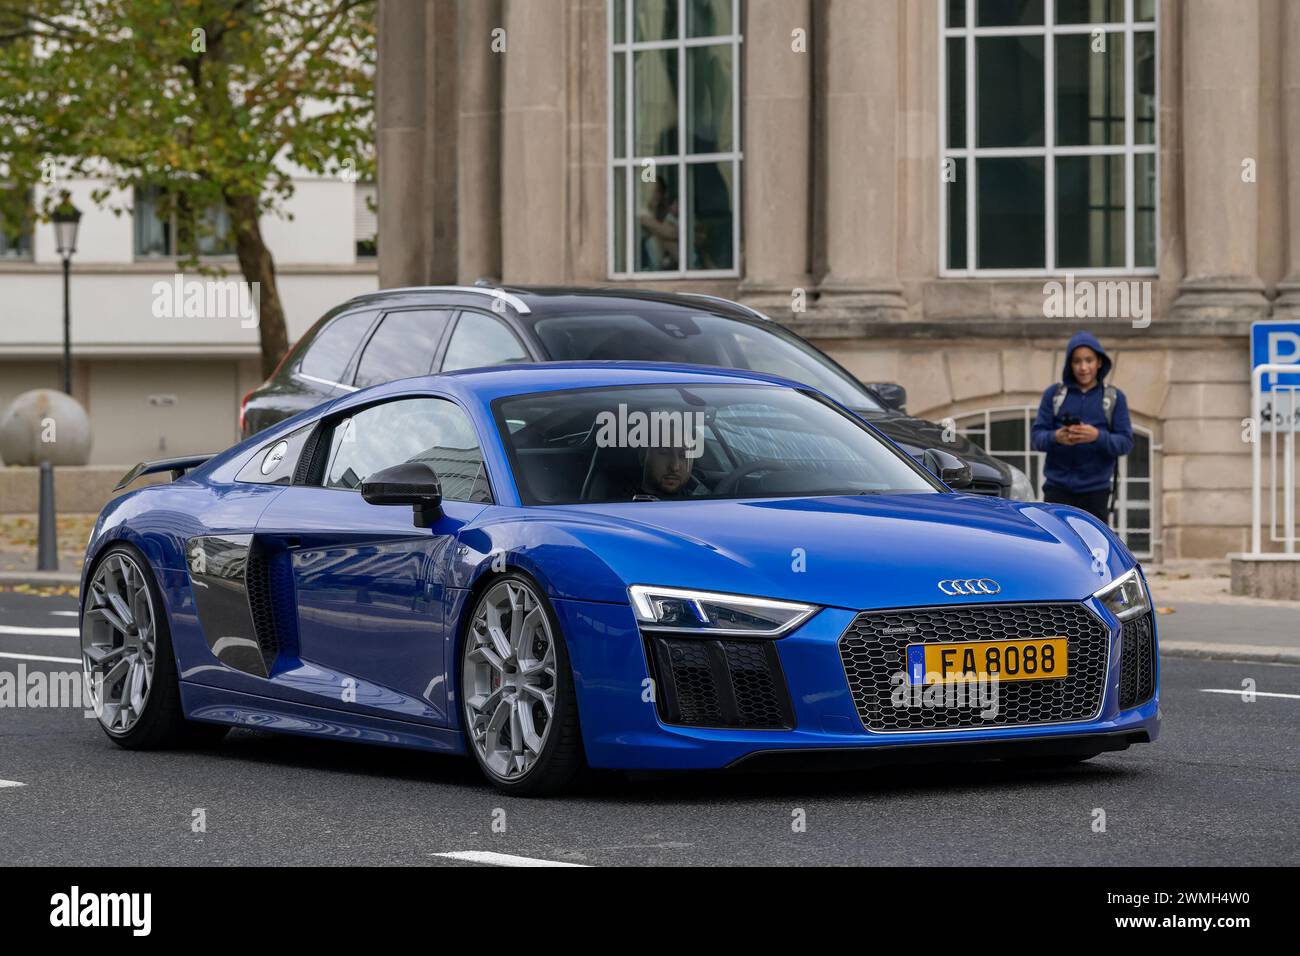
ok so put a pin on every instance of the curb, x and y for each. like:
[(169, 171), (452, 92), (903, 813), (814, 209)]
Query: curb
[(41, 578), (1203, 650)]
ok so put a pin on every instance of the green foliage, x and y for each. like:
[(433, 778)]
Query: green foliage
[(213, 100)]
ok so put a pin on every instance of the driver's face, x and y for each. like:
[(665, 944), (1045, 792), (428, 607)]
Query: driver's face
[(666, 470)]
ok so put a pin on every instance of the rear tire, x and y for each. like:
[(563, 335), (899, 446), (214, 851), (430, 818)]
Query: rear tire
[(126, 653), (517, 699)]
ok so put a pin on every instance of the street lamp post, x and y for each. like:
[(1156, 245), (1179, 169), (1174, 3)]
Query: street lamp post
[(66, 218)]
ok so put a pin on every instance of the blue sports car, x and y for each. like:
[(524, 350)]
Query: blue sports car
[(634, 566)]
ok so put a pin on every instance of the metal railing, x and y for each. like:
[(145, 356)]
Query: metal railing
[(1282, 424)]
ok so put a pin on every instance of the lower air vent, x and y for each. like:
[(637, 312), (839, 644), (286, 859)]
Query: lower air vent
[(709, 683)]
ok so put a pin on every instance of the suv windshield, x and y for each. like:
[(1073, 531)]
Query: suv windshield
[(661, 442), (675, 334)]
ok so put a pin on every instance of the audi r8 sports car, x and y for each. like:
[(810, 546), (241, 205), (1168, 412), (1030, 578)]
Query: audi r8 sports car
[(612, 565)]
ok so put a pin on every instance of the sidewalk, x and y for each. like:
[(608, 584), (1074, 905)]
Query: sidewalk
[(18, 553)]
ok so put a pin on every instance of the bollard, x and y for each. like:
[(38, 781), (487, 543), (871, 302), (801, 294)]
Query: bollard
[(47, 539)]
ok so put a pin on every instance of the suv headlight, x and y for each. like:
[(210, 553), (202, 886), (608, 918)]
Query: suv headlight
[(1022, 489), (707, 612), (1126, 597)]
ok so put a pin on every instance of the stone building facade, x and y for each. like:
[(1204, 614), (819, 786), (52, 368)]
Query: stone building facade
[(897, 180)]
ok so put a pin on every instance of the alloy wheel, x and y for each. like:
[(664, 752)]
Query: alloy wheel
[(119, 642)]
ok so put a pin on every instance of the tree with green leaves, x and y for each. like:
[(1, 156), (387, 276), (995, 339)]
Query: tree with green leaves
[(210, 104)]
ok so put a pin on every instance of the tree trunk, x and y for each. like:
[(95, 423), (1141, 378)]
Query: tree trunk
[(257, 265)]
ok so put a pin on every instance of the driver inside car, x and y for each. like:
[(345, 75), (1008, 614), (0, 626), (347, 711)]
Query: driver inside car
[(666, 473)]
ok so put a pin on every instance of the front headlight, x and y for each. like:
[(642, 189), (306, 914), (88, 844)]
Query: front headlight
[(707, 612), (1022, 489), (1126, 597)]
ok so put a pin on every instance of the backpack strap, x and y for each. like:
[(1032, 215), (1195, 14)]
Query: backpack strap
[(1059, 398), (1108, 398)]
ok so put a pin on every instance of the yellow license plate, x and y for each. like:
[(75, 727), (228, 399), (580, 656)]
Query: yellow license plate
[(1043, 658)]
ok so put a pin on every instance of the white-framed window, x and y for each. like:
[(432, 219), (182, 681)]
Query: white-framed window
[(1048, 133), (1005, 433), (163, 228), (16, 239), (674, 150)]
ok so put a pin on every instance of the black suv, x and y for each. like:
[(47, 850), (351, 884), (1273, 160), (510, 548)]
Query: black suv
[(401, 333)]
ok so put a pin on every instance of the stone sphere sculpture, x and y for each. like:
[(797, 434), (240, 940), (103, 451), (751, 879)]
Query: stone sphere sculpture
[(44, 425)]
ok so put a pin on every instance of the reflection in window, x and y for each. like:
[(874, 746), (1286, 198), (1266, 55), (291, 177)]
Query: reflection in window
[(1049, 136), (675, 136), (1004, 433), (16, 237), (165, 225)]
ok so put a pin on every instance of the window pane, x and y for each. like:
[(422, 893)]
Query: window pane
[(1090, 211), (328, 355), (422, 429), (1009, 436), (1144, 210), (654, 105), (956, 65), (708, 18), (1004, 13), (1144, 10), (16, 236), (710, 197), (654, 20), (1090, 90), (957, 215), (153, 234), (618, 15), (1089, 11), (619, 200), (956, 13), (1009, 206), (1139, 460), (402, 347), (658, 216), (620, 104), (708, 99), (1009, 74), (481, 340), (1144, 87)]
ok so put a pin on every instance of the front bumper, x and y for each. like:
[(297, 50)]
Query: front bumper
[(622, 726)]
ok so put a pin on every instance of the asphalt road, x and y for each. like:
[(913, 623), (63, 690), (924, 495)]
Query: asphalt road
[(1221, 787)]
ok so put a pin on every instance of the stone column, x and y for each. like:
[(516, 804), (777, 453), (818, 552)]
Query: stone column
[(479, 174), (777, 129), (400, 143), (534, 233), (1220, 119), (861, 51), (1288, 300), (441, 139)]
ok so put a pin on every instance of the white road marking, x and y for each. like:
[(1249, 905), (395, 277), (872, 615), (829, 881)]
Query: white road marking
[(41, 631), (1238, 692), (10, 783), (489, 858), (40, 657)]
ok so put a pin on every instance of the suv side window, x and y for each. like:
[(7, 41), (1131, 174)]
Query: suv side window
[(329, 353), (480, 340), (434, 430), (402, 347)]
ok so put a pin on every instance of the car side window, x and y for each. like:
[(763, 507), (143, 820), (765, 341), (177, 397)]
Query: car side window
[(402, 347), (432, 430), (329, 353), (480, 340)]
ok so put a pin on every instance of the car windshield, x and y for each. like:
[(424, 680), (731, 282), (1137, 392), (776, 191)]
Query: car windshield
[(661, 442), (674, 334)]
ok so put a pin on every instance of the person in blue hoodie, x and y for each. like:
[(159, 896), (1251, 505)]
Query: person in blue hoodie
[(1083, 426)]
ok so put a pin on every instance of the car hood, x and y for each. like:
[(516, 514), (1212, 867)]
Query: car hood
[(915, 435), (852, 552)]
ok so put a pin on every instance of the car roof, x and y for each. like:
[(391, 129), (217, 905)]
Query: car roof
[(488, 384), (532, 302)]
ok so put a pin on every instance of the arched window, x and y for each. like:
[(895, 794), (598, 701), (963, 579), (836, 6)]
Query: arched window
[(1004, 434)]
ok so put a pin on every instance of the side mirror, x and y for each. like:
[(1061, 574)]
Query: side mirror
[(411, 483), (893, 395), (947, 467)]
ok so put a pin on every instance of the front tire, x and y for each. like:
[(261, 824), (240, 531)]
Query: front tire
[(518, 702), (128, 661)]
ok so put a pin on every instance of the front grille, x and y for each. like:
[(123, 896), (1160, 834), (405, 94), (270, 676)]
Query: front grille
[(1137, 662), (874, 652), (711, 683)]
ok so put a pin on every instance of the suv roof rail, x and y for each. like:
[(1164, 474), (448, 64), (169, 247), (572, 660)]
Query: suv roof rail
[(510, 299)]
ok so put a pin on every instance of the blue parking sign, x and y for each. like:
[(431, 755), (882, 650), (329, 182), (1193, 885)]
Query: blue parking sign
[(1276, 343)]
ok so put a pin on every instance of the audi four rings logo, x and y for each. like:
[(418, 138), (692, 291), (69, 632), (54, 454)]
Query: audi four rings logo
[(956, 586)]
